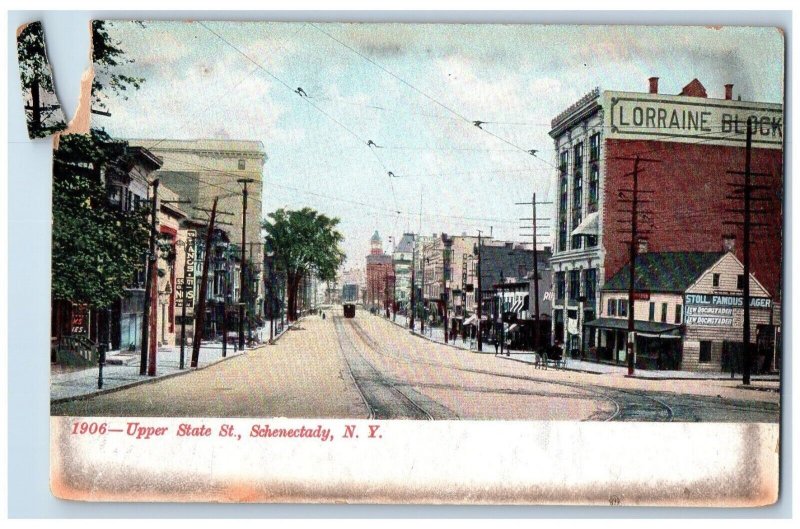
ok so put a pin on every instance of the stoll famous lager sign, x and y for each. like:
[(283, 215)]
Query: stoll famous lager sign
[(716, 310), (683, 119)]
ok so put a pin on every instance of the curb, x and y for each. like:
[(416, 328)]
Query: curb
[(756, 388), (135, 383), (719, 379), (556, 368)]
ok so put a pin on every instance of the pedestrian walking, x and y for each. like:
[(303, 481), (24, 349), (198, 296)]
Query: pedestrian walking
[(496, 346)]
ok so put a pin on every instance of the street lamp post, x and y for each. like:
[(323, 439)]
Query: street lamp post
[(164, 296)]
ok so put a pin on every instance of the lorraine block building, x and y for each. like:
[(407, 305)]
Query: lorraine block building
[(696, 140)]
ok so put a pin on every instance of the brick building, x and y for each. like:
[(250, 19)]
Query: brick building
[(380, 275), (696, 140)]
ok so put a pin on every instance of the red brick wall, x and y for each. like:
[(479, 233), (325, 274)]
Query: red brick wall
[(689, 189), (377, 274)]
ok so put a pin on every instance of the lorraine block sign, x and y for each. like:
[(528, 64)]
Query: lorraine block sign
[(691, 119)]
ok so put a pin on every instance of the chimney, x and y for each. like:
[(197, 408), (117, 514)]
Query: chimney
[(654, 85), (642, 246), (728, 91), (728, 243)]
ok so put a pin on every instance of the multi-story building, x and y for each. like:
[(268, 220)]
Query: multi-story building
[(380, 275), (199, 170), (693, 140), (402, 255)]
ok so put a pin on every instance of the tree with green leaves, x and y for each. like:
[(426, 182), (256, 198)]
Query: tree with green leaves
[(43, 118), (304, 242), (96, 246), (108, 57)]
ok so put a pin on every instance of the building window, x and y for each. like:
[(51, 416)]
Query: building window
[(612, 307), (678, 313), (594, 147), (574, 284), (562, 210), (560, 285), (740, 282), (594, 187), (623, 307), (578, 157), (715, 280), (652, 315), (563, 162), (590, 284), (705, 351), (577, 193), (522, 271), (663, 313), (241, 164)]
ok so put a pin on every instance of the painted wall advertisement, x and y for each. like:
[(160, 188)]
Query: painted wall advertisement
[(714, 310)]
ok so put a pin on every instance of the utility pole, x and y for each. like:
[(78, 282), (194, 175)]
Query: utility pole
[(36, 109), (479, 294), (634, 233), (535, 242), (200, 312), (422, 293), (413, 285), (744, 192), (444, 290), (150, 279), (243, 268)]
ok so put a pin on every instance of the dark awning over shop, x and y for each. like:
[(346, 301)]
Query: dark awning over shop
[(644, 328)]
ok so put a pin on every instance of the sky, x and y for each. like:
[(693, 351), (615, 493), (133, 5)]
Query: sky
[(413, 90)]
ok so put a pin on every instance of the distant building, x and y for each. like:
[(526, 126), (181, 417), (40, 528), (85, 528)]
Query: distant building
[(380, 275), (402, 255)]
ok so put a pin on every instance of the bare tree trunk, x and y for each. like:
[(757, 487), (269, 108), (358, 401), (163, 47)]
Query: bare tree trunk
[(292, 284)]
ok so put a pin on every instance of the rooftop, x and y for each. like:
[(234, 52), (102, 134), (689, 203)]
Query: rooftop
[(664, 271)]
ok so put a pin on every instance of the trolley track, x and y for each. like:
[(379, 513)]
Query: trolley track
[(383, 398), (629, 405)]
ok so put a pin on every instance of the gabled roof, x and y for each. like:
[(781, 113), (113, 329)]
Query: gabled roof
[(406, 244), (664, 271), (695, 89)]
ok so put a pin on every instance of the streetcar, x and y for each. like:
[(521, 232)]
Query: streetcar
[(349, 310)]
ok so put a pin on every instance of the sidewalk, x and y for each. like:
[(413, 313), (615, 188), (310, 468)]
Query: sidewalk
[(122, 368), (437, 335)]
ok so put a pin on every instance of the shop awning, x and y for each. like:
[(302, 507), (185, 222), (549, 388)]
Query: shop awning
[(516, 306), (588, 226), (643, 328), (472, 320)]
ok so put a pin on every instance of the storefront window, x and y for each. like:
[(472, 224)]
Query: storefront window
[(705, 351)]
